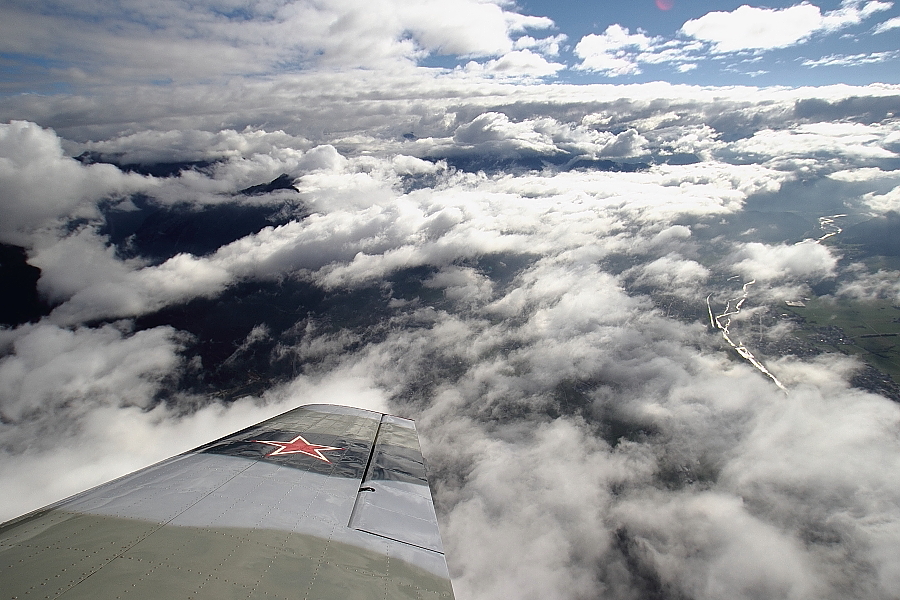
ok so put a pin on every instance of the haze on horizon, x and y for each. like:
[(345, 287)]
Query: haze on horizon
[(502, 220)]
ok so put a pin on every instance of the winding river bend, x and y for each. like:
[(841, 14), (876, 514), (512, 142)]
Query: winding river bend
[(827, 225), (723, 321)]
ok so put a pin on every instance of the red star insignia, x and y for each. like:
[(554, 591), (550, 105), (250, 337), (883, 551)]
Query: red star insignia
[(298, 445)]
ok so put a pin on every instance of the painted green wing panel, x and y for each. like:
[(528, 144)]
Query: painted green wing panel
[(272, 511)]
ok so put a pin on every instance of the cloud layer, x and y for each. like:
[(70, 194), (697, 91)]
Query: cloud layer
[(751, 28), (107, 47), (528, 270)]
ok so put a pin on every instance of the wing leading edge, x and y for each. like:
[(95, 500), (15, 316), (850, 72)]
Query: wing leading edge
[(323, 502)]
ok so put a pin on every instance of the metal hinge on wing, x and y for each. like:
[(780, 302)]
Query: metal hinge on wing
[(402, 510)]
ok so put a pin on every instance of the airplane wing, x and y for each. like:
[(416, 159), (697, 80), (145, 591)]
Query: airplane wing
[(321, 502)]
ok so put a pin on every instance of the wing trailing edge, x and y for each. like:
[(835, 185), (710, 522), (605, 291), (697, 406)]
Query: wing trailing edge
[(320, 502)]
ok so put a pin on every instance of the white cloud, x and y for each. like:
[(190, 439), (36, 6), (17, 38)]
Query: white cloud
[(749, 27), (84, 272), (362, 230), (710, 545), (549, 559), (462, 285), (877, 187), (410, 165), (853, 12), (892, 23), (872, 286), (170, 40), (673, 274), (806, 260), (465, 28), (861, 174), (78, 262), (625, 144), (851, 60), (39, 184), (150, 146), (618, 52), (490, 127), (50, 368), (883, 202), (612, 52), (494, 133), (752, 28), (330, 107), (702, 538), (548, 46), (104, 437), (786, 464), (518, 63), (496, 129), (851, 140)]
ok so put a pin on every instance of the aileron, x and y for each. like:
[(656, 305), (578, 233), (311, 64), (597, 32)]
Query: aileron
[(273, 510)]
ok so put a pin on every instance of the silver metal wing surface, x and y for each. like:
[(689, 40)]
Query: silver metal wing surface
[(321, 502)]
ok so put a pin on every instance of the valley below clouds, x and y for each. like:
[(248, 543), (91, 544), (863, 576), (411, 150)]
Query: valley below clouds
[(523, 270)]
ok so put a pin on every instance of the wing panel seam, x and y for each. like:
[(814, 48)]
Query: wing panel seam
[(365, 474), (144, 537), (385, 537)]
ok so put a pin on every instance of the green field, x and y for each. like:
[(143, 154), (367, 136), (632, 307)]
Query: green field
[(871, 330)]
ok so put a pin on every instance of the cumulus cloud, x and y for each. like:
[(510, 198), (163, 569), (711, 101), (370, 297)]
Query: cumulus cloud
[(611, 52), (883, 203), (807, 260), (462, 285), (892, 23), (548, 45), (174, 41), (150, 146), (865, 174), (41, 184), (553, 485), (309, 106), (84, 276), (702, 533), (410, 165), (78, 262), (134, 293), (843, 461), (106, 381), (674, 274), (517, 63), (496, 127), (49, 368), (851, 140), (618, 52), (469, 28), (496, 134), (871, 286), (752, 28), (733, 552)]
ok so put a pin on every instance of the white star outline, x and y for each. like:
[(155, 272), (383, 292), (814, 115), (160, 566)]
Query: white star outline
[(314, 450)]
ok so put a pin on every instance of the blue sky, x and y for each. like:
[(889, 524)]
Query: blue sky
[(852, 50), (49, 46)]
